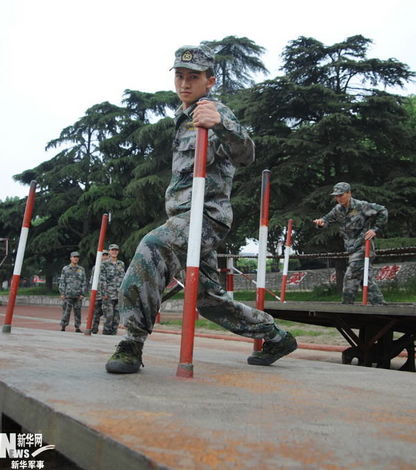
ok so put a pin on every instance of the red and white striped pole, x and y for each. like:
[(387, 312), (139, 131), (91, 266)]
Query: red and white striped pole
[(288, 245), (229, 278), (185, 367), (7, 327), (97, 269), (366, 268), (262, 257)]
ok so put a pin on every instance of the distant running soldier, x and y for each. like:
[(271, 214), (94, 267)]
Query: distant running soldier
[(358, 221), (112, 276), (72, 287)]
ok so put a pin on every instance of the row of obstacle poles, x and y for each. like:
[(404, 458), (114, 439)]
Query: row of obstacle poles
[(185, 366)]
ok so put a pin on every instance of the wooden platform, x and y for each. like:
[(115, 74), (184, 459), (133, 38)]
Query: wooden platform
[(383, 331)]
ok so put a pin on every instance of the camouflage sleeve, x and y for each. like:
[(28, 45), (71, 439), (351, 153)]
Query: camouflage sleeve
[(236, 142), (103, 280), (61, 285), (91, 277), (331, 217), (380, 214)]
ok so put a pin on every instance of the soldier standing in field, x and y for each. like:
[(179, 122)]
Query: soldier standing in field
[(72, 287), (98, 308), (161, 254), (358, 221), (112, 276)]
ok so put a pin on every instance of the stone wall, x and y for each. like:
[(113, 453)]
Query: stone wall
[(308, 279)]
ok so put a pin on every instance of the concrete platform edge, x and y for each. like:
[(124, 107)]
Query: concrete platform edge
[(79, 443)]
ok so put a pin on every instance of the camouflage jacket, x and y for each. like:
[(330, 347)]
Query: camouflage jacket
[(356, 220), (228, 146), (111, 277), (73, 281)]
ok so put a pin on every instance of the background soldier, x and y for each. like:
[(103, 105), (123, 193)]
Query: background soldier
[(359, 221), (112, 276), (72, 286), (98, 309)]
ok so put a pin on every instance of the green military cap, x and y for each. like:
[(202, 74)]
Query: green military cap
[(198, 58), (341, 188), (113, 246), (74, 253)]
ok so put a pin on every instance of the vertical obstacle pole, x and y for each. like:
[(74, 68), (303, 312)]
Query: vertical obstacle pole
[(229, 278), (7, 327), (288, 244), (185, 367), (97, 269), (261, 260), (366, 268)]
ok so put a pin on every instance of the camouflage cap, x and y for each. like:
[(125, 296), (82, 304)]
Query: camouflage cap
[(198, 58), (341, 188), (113, 246), (74, 253)]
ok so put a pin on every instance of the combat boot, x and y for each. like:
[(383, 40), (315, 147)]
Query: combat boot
[(127, 359), (273, 351)]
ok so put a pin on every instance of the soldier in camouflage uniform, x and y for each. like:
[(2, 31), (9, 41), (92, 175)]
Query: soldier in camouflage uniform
[(162, 253), (98, 308), (359, 221), (113, 274), (72, 286)]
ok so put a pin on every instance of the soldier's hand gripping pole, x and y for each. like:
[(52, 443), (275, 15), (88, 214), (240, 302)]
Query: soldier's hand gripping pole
[(185, 366)]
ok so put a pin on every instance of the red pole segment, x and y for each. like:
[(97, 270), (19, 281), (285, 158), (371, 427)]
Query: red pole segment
[(185, 367), (288, 244), (97, 269), (7, 327), (366, 268), (262, 257)]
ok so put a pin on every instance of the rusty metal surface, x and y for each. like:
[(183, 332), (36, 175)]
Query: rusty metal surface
[(297, 414)]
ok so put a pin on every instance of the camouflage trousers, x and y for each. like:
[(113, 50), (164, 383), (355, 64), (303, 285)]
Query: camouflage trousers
[(98, 313), (111, 316), (160, 256), (353, 279), (70, 303)]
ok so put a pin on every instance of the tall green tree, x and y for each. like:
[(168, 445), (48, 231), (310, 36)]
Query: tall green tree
[(325, 121), (93, 173), (236, 60)]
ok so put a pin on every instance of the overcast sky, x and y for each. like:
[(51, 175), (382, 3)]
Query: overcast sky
[(58, 58)]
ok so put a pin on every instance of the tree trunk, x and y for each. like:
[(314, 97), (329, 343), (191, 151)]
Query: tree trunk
[(49, 281)]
